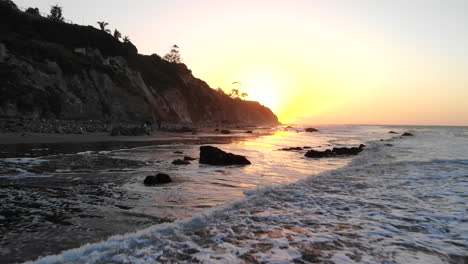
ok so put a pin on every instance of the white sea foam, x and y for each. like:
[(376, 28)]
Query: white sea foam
[(400, 204)]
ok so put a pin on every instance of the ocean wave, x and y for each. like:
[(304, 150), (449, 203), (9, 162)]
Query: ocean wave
[(388, 205)]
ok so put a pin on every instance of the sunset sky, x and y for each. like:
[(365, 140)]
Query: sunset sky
[(311, 61)]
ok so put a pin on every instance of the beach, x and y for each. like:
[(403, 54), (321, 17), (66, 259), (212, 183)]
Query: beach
[(282, 208)]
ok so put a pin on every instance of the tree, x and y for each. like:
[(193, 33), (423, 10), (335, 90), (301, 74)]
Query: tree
[(174, 55), (103, 26), (33, 11), (234, 93), (56, 13), (244, 95), (126, 39), (117, 34)]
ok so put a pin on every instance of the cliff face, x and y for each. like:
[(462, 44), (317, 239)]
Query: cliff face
[(55, 70)]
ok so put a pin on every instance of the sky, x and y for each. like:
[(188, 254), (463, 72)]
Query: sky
[(310, 61)]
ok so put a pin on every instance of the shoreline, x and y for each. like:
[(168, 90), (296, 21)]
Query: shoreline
[(51, 138)]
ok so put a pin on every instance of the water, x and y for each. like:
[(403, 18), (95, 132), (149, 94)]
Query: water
[(399, 203)]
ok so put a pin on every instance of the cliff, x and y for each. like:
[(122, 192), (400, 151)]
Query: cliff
[(55, 70)]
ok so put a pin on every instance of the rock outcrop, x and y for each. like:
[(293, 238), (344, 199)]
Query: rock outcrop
[(160, 178), (335, 152), (215, 156), (53, 70)]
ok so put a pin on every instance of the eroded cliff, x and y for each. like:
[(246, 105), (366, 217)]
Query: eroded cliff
[(54, 70)]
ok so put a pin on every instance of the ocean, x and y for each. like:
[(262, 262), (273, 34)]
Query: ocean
[(401, 200)]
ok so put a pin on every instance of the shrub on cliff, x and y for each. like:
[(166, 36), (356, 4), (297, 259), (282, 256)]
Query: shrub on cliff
[(56, 13), (33, 11)]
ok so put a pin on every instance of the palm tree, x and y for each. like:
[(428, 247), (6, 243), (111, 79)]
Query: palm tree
[(103, 26), (117, 34)]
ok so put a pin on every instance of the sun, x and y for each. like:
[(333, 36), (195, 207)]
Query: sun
[(263, 90), (265, 85)]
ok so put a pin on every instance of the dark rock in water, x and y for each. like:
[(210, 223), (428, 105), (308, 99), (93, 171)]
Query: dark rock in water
[(160, 178), (334, 152), (392, 132), (320, 154), (189, 158), (389, 145), (291, 149), (216, 130), (224, 131), (306, 147), (311, 129), (288, 127), (407, 134), (180, 162), (178, 152), (347, 151), (248, 132), (215, 156)]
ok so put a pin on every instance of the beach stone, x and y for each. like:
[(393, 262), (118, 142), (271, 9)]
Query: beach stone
[(291, 149), (310, 129), (160, 178), (180, 162), (215, 156), (392, 132), (187, 158), (407, 134), (225, 131), (248, 132)]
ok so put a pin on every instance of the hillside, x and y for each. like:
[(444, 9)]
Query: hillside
[(54, 70)]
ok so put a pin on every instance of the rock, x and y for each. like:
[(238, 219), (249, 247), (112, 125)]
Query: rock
[(407, 134), (306, 147), (291, 149), (178, 152), (311, 129), (392, 132), (248, 132), (334, 152), (180, 162), (216, 130), (224, 131), (160, 178), (215, 156), (189, 158), (389, 145), (320, 154)]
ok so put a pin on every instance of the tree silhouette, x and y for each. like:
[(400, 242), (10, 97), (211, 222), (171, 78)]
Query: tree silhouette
[(103, 26), (173, 55), (126, 39), (33, 11), (244, 95), (56, 13), (234, 93), (117, 34)]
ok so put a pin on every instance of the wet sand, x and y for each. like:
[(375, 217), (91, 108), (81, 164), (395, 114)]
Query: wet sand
[(19, 138)]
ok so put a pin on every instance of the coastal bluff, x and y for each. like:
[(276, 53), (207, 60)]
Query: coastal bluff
[(51, 70)]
